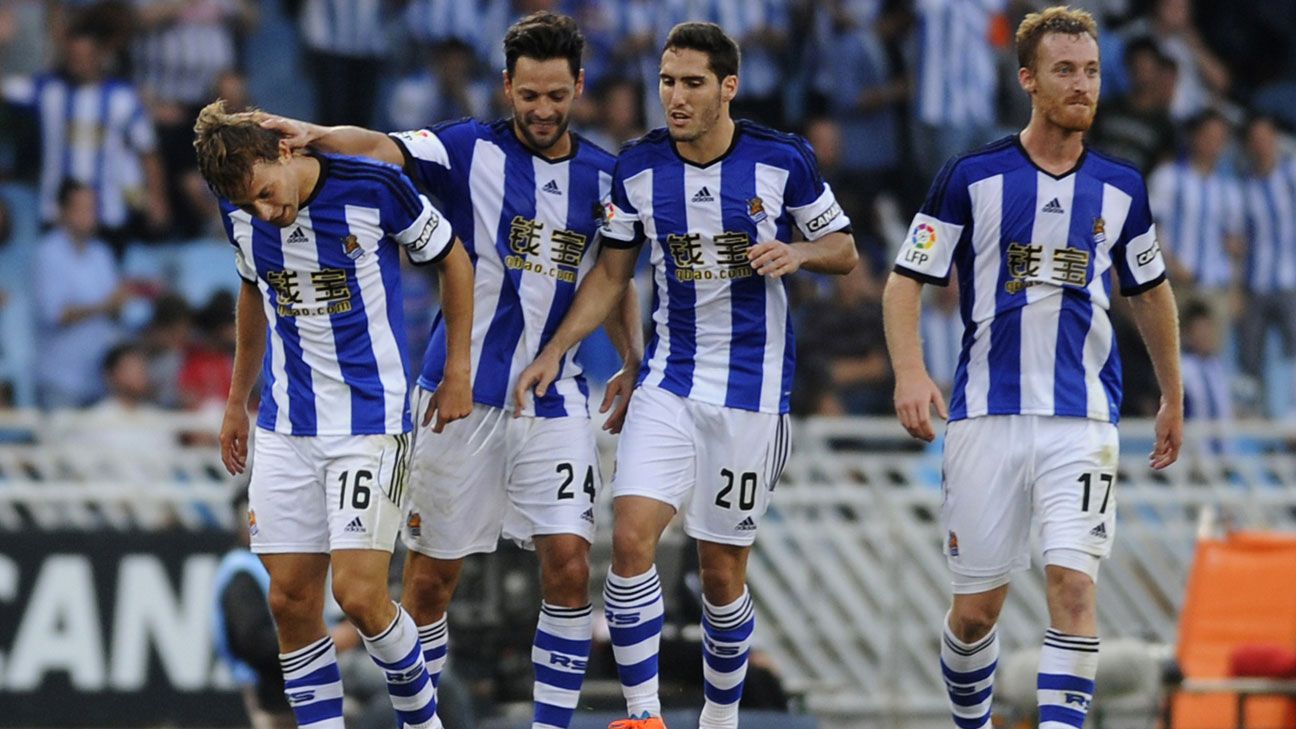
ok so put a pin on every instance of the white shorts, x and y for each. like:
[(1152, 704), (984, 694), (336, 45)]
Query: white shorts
[(1001, 470), (491, 475), (716, 465), (316, 494)]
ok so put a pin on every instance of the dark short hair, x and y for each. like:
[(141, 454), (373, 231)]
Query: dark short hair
[(68, 188), (118, 353), (1145, 44), (723, 56), (1263, 117), (1201, 118), (541, 36), (1193, 310)]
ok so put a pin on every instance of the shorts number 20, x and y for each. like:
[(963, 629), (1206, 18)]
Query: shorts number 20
[(746, 490)]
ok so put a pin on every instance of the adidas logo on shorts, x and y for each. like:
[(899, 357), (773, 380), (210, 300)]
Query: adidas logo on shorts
[(588, 515), (1099, 531), (746, 525), (355, 527)]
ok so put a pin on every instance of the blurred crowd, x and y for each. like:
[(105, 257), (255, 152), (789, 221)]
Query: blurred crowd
[(112, 239)]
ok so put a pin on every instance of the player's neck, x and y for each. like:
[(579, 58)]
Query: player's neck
[(711, 145), (1052, 148), (307, 168)]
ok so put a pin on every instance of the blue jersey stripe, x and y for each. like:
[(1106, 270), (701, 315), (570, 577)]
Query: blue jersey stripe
[(668, 196), (389, 262), (1111, 378), (268, 411), (1070, 396), (964, 262), (746, 295), (506, 328), (301, 394), (1005, 331)]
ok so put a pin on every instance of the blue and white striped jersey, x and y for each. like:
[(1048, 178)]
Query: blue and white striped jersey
[(354, 28), (1196, 213), (335, 354), (1033, 254), (956, 75), (528, 223), (91, 133), (1270, 203), (722, 333)]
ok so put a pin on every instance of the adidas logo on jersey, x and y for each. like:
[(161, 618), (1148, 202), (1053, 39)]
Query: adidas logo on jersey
[(551, 187), (703, 195), (298, 236), (355, 527), (1099, 531), (1053, 207), (746, 525), (588, 515)]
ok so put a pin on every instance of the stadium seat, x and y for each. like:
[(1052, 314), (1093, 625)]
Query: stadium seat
[(1239, 593)]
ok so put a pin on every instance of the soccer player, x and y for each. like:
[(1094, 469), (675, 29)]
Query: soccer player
[(527, 195), (1034, 225), (316, 241), (706, 432)]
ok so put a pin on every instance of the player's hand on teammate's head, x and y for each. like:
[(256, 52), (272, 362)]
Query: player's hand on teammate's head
[(774, 258), (296, 133), (1169, 436), (234, 439), (617, 398), (915, 394)]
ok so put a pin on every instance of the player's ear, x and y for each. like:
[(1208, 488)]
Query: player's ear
[(508, 82), (729, 88), (580, 82), (1026, 78), (285, 151)]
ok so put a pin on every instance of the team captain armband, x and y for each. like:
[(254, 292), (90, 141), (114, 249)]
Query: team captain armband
[(428, 238), (928, 250)]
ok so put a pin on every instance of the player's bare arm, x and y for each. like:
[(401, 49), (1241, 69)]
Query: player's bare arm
[(452, 399), (249, 349), (599, 294), (833, 253), (354, 141), (624, 329), (915, 392), (1158, 323)]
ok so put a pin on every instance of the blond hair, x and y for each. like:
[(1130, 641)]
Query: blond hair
[(229, 145), (1057, 19)]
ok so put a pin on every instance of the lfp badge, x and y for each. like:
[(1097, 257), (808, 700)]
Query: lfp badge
[(924, 237)]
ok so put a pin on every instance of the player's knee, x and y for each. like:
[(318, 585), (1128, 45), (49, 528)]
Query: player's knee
[(1071, 593), (973, 621), (567, 581), (632, 551), (721, 584), (290, 606), (427, 594), (360, 600)]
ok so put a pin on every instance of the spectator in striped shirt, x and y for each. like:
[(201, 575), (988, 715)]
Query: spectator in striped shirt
[(1197, 205), (1207, 396), (346, 42), (96, 131), (1269, 282)]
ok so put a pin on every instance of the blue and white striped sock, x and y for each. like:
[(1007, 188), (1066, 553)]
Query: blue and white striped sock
[(397, 652), (969, 670), (313, 685), (559, 655), (435, 639), (726, 642), (1068, 664), (634, 609)]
